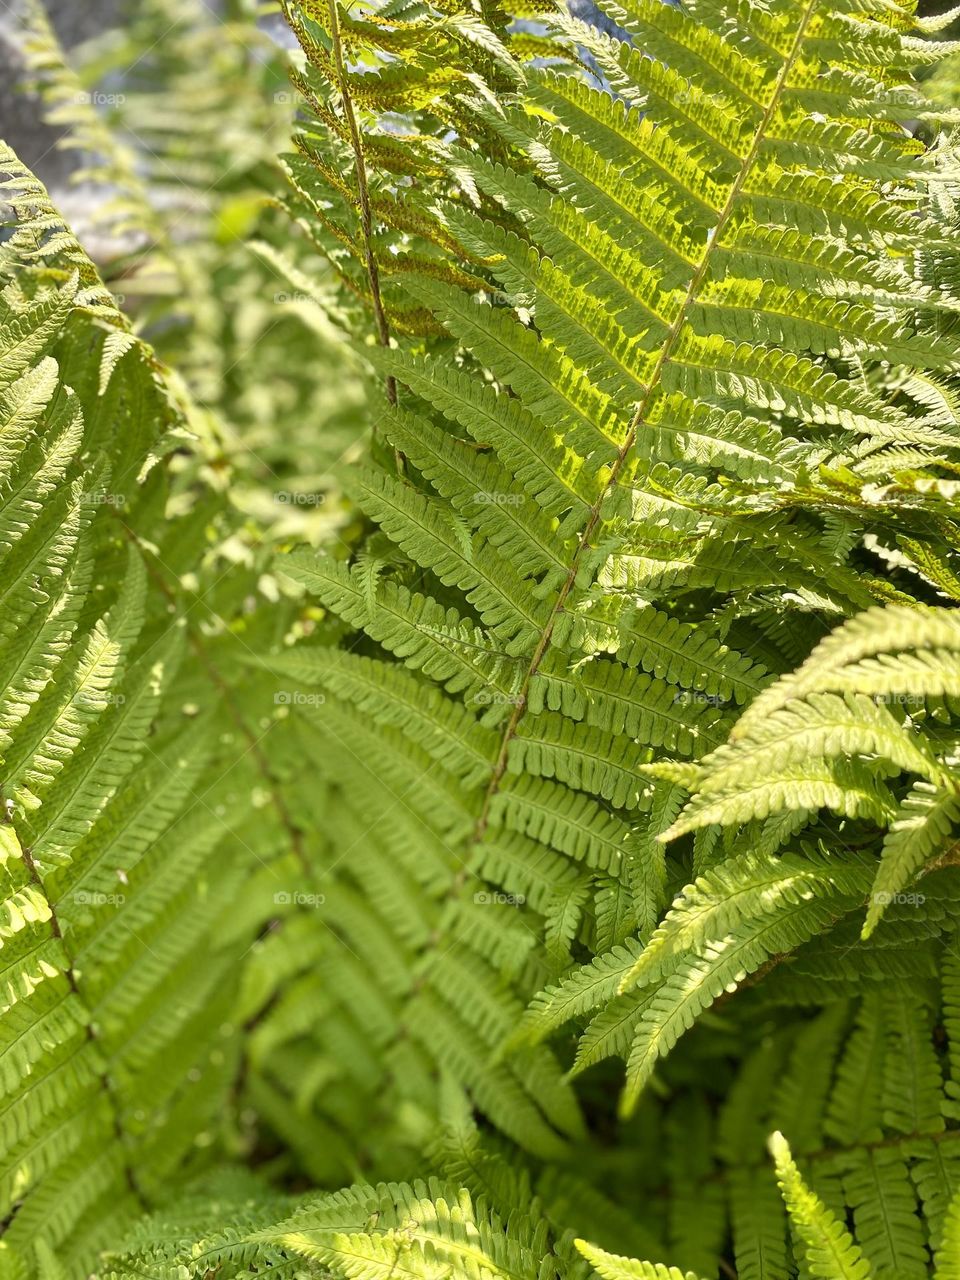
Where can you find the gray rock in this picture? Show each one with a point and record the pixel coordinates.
(21, 117)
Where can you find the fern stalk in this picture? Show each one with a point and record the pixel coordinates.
(593, 520)
(363, 191)
(93, 1038)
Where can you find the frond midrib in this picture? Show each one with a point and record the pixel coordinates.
(637, 422)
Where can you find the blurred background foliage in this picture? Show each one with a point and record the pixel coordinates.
(160, 135)
(159, 125)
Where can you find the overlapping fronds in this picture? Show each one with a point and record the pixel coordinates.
(619, 498)
(856, 1106)
(873, 701)
(128, 803)
(618, 731)
(381, 91)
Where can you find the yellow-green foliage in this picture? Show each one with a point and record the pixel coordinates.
(623, 709)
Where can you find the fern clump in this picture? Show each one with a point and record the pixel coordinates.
(552, 862)
(131, 766)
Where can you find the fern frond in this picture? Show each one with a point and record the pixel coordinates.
(830, 1252)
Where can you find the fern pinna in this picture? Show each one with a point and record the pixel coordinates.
(633, 483)
(855, 1101)
(137, 800)
(623, 707)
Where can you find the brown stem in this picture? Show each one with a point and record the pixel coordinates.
(666, 352)
(293, 832)
(594, 517)
(363, 192)
(92, 1034)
